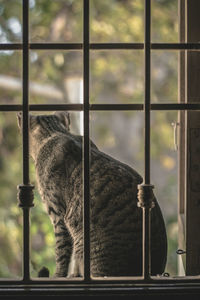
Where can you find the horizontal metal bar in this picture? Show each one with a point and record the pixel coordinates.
(175, 106)
(56, 107)
(42, 107)
(101, 281)
(10, 107)
(56, 46)
(140, 46)
(153, 106)
(116, 46)
(175, 46)
(110, 107)
(92, 46)
(9, 46)
(102, 46)
(101, 107)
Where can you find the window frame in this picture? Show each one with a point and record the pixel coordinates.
(188, 154)
(147, 286)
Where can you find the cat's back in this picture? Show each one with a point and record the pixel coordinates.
(113, 186)
(116, 220)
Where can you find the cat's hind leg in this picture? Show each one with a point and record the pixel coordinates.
(63, 249)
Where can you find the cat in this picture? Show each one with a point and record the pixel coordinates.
(115, 218)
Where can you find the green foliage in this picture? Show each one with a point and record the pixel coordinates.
(42, 239)
(117, 21)
(56, 21)
(11, 65)
(164, 21)
(10, 20)
(116, 77)
(10, 214)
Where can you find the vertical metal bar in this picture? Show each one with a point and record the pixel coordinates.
(147, 46)
(25, 126)
(26, 243)
(146, 208)
(25, 91)
(86, 213)
(146, 243)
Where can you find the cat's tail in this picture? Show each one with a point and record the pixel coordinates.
(44, 272)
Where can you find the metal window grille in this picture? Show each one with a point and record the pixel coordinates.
(26, 189)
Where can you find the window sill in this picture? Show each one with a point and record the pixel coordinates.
(80, 291)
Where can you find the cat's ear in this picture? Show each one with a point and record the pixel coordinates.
(19, 119)
(32, 119)
(64, 118)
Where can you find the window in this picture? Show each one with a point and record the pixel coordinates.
(89, 50)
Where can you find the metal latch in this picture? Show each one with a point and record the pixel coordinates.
(175, 127)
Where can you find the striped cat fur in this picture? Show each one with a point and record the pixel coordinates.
(116, 221)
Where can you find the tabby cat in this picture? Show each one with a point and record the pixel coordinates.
(116, 221)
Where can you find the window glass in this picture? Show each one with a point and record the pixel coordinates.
(164, 76)
(117, 77)
(56, 77)
(164, 21)
(56, 21)
(111, 131)
(10, 77)
(11, 221)
(117, 21)
(10, 21)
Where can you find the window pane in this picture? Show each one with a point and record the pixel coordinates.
(164, 72)
(110, 131)
(117, 21)
(165, 21)
(117, 77)
(10, 214)
(10, 77)
(11, 21)
(56, 21)
(56, 77)
(164, 176)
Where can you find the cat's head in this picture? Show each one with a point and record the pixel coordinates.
(42, 127)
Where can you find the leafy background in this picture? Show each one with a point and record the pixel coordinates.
(116, 76)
